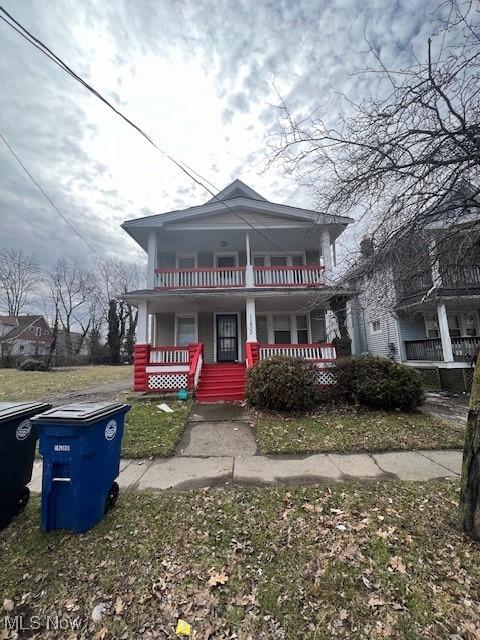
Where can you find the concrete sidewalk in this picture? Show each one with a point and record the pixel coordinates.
(195, 472)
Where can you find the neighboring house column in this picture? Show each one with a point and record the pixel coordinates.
(444, 332)
(327, 255)
(249, 279)
(251, 320)
(142, 349)
(152, 259)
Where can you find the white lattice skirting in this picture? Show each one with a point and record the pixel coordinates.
(325, 376)
(167, 381)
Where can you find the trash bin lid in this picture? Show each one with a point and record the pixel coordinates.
(9, 410)
(79, 412)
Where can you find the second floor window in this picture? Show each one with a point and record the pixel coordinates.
(431, 326)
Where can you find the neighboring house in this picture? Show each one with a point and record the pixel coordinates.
(422, 307)
(229, 284)
(24, 336)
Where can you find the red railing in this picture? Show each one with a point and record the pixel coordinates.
(196, 364)
(251, 354)
(200, 278)
(317, 352)
(301, 276)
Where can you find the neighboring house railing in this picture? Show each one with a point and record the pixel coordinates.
(415, 284)
(430, 349)
(200, 278)
(461, 276)
(304, 276)
(229, 277)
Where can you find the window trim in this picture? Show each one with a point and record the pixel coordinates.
(293, 324)
(224, 254)
(193, 315)
(375, 332)
(179, 256)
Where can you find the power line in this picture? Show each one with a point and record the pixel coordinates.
(36, 42)
(52, 204)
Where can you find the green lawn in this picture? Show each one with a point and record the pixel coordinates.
(352, 431)
(151, 432)
(30, 385)
(383, 561)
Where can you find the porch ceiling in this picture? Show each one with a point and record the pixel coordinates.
(265, 239)
(292, 301)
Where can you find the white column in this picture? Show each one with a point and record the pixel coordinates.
(249, 279)
(142, 323)
(327, 254)
(444, 332)
(152, 259)
(251, 320)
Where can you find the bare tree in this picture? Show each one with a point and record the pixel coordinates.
(74, 292)
(18, 278)
(407, 160)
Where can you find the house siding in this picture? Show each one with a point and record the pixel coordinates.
(317, 324)
(165, 329)
(205, 334)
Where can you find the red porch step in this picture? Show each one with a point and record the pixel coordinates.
(221, 383)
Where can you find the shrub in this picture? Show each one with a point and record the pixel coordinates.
(33, 365)
(282, 384)
(378, 382)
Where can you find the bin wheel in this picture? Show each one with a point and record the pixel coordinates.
(112, 496)
(23, 500)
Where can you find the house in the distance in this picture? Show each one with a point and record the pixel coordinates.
(24, 336)
(422, 306)
(231, 281)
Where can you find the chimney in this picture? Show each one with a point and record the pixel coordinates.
(366, 246)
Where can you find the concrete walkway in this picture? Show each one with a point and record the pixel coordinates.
(184, 472)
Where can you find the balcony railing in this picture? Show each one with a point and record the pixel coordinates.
(430, 349)
(461, 276)
(200, 278)
(307, 276)
(304, 276)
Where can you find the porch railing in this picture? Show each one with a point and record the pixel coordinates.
(169, 355)
(302, 276)
(200, 278)
(430, 349)
(196, 364)
(461, 276)
(316, 352)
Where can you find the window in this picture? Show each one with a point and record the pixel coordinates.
(186, 330)
(375, 326)
(431, 326)
(46, 332)
(469, 324)
(454, 325)
(278, 261)
(297, 261)
(38, 331)
(226, 261)
(262, 329)
(281, 330)
(302, 330)
(186, 261)
(259, 261)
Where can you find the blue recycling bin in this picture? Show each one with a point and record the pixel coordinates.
(18, 439)
(80, 444)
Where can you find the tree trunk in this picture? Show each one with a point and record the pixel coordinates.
(469, 516)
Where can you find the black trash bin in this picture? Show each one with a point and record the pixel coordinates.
(18, 437)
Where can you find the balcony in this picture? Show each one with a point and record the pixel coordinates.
(306, 276)
(430, 349)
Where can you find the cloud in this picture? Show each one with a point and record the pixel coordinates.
(198, 76)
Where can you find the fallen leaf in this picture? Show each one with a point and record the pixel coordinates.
(98, 611)
(376, 601)
(397, 564)
(183, 628)
(100, 635)
(8, 604)
(119, 606)
(217, 578)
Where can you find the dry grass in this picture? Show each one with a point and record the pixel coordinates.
(30, 385)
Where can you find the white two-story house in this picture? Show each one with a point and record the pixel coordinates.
(231, 281)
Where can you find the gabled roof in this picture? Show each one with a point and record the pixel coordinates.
(19, 324)
(237, 189)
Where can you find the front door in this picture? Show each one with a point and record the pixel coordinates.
(227, 337)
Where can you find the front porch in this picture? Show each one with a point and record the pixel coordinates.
(181, 345)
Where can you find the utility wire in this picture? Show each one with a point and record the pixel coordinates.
(52, 204)
(36, 42)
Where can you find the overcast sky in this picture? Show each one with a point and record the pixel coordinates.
(195, 75)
